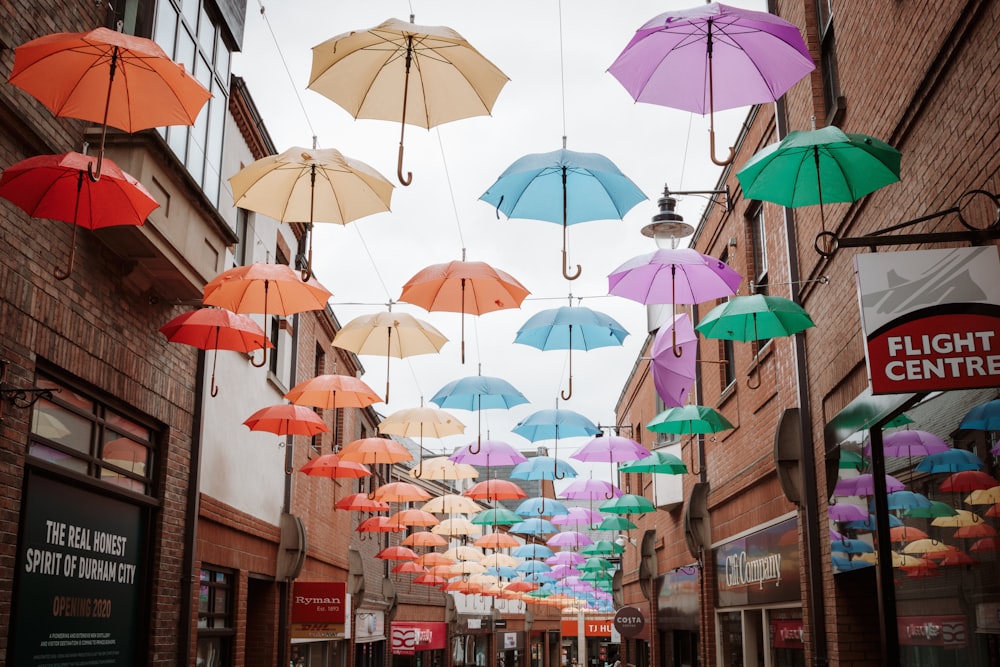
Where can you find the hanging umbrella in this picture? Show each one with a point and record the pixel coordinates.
(396, 553)
(570, 558)
(578, 516)
(413, 517)
(868, 524)
(850, 546)
(424, 538)
(331, 465)
(375, 451)
(333, 392)
(906, 534)
(532, 551)
(420, 422)
(907, 444)
(950, 461)
(534, 526)
(967, 481)
(817, 167)
(497, 541)
(711, 58)
(989, 496)
(958, 519)
(500, 560)
(56, 187)
(602, 548)
(659, 461)
(457, 527)
(430, 580)
(983, 417)
(495, 489)
(616, 523)
(311, 185)
(463, 287)
(975, 531)
(937, 509)
(673, 275)
(956, 557)
(540, 506)
(433, 558)
(850, 460)
(400, 492)
(555, 424)
(689, 419)
(905, 500)
(499, 516)
(554, 329)
(590, 489)
(287, 419)
(613, 449)
(213, 329)
(267, 289)
(542, 467)
(360, 502)
(369, 72)
(490, 453)
(926, 546)
(391, 334)
(477, 393)
(465, 553)
(442, 468)
(564, 186)
(674, 360)
(108, 77)
(408, 567)
(864, 485)
(569, 538)
(847, 512)
(378, 524)
(451, 503)
(628, 503)
(986, 544)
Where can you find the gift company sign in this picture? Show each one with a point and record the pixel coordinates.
(931, 318)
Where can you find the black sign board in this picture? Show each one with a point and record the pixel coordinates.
(629, 621)
(500, 624)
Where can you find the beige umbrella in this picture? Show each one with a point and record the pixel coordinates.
(311, 185)
(443, 468)
(456, 527)
(984, 496)
(400, 71)
(961, 518)
(926, 546)
(391, 334)
(468, 567)
(451, 503)
(500, 560)
(419, 423)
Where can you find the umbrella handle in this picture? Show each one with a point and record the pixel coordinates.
(750, 384)
(263, 361)
(402, 119)
(479, 446)
(399, 168)
(95, 174)
(59, 273)
(711, 144)
(215, 358)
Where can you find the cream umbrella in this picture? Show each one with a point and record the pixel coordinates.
(451, 503)
(442, 468)
(456, 528)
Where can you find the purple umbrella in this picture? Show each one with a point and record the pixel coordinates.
(566, 558)
(673, 275)
(712, 57)
(847, 512)
(491, 453)
(863, 485)
(909, 443)
(564, 571)
(612, 449)
(674, 360)
(578, 516)
(590, 489)
(570, 538)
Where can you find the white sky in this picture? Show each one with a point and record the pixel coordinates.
(366, 263)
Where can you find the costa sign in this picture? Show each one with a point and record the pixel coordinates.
(629, 621)
(930, 318)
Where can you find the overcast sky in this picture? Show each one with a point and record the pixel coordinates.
(366, 263)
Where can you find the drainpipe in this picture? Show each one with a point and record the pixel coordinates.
(810, 504)
(184, 638)
(284, 619)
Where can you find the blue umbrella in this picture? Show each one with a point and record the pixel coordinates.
(534, 526)
(951, 461)
(983, 417)
(555, 424)
(533, 567)
(541, 507)
(906, 500)
(554, 329)
(563, 186)
(505, 571)
(542, 467)
(477, 393)
(848, 546)
(532, 551)
(869, 523)
(538, 577)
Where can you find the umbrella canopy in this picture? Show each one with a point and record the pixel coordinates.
(534, 526)
(659, 461)
(617, 523)
(628, 504)
(674, 360)
(673, 275)
(390, 334)
(983, 417)
(287, 419)
(849, 546)
(378, 524)
(333, 391)
(489, 453)
(989, 496)
(396, 553)
(564, 186)
(554, 424)
(864, 485)
(108, 77)
(456, 527)
(689, 419)
(754, 317)
(465, 553)
(463, 287)
(602, 548)
(413, 517)
(57, 187)
(495, 489)
(400, 492)
(215, 329)
(360, 502)
(590, 489)
(408, 567)
(578, 516)
(950, 461)
(937, 509)
(377, 451)
(905, 500)
(499, 516)
(906, 534)
(311, 185)
(568, 558)
(331, 465)
(570, 328)
(819, 166)
(532, 551)
(542, 467)
(443, 468)
(569, 538)
(712, 57)
(841, 511)
(968, 481)
(910, 443)
(541, 506)
(424, 538)
(433, 558)
(612, 449)
(498, 541)
(421, 422)
(451, 503)
(478, 392)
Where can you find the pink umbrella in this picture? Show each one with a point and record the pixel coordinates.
(570, 538)
(566, 558)
(491, 453)
(578, 516)
(674, 360)
(612, 449)
(674, 275)
(910, 443)
(863, 485)
(847, 512)
(590, 489)
(565, 571)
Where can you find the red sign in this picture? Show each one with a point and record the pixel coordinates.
(319, 602)
(931, 318)
(787, 634)
(946, 631)
(591, 627)
(407, 638)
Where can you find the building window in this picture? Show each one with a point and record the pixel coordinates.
(215, 617)
(244, 233)
(727, 350)
(83, 434)
(190, 36)
(828, 60)
(758, 242)
(319, 368)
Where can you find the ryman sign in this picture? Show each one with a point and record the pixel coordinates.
(931, 318)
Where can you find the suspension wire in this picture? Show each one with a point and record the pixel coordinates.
(451, 191)
(562, 74)
(284, 63)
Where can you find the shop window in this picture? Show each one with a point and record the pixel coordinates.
(216, 629)
(188, 33)
(319, 368)
(78, 432)
(832, 99)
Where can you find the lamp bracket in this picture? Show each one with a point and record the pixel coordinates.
(725, 191)
(20, 397)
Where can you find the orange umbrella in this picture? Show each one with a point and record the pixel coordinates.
(376, 451)
(396, 553)
(409, 567)
(495, 489)
(333, 391)
(400, 492)
(377, 524)
(520, 587)
(414, 518)
(331, 465)
(268, 289)
(108, 77)
(463, 287)
(975, 530)
(360, 502)
(215, 329)
(906, 534)
(497, 541)
(434, 558)
(424, 538)
(430, 580)
(286, 419)
(439, 570)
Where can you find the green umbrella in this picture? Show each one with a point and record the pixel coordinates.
(628, 503)
(497, 517)
(754, 317)
(819, 166)
(616, 523)
(689, 419)
(850, 460)
(937, 509)
(595, 565)
(602, 548)
(660, 462)
(596, 576)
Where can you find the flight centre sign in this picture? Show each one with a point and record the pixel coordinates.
(931, 318)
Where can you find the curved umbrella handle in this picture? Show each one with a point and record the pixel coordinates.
(399, 168)
(215, 358)
(555, 471)
(95, 174)
(711, 144)
(750, 384)
(264, 358)
(59, 273)
(479, 446)
(610, 494)
(418, 473)
(565, 269)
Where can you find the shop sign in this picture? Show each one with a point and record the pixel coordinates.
(79, 564)
(787, 634)
(319, 610)
(406, 638)
(369, 625)
(945, 631)
(509, 641)
(591, 627)
(761, 568)
(930, 318)
(629, 621)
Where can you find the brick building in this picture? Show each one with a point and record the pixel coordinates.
(766, 489)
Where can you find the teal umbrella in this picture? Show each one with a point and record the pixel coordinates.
(819, 166)
(660, 462)
(936, 509)
(628, 503)
(496, 517)
(689, 419)
(602, 548)
(616, 523)
(595, 565)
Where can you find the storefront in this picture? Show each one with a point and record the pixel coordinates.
(418, 644)
(471, 643)
(319, 626)
(677, 617)
(598, 634)
(369, 638)
(510, 649)
(759, 610)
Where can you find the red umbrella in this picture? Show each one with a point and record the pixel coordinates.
(215, 329)
(968, 481)
(430, 580)
(360, 502)
(495, 489)
(331, 465)
(981, 529)
(986, 544)
(286, 419)
(396, 553)
(56, 187)
(409, 567)
(333, 391)
(377, 524)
